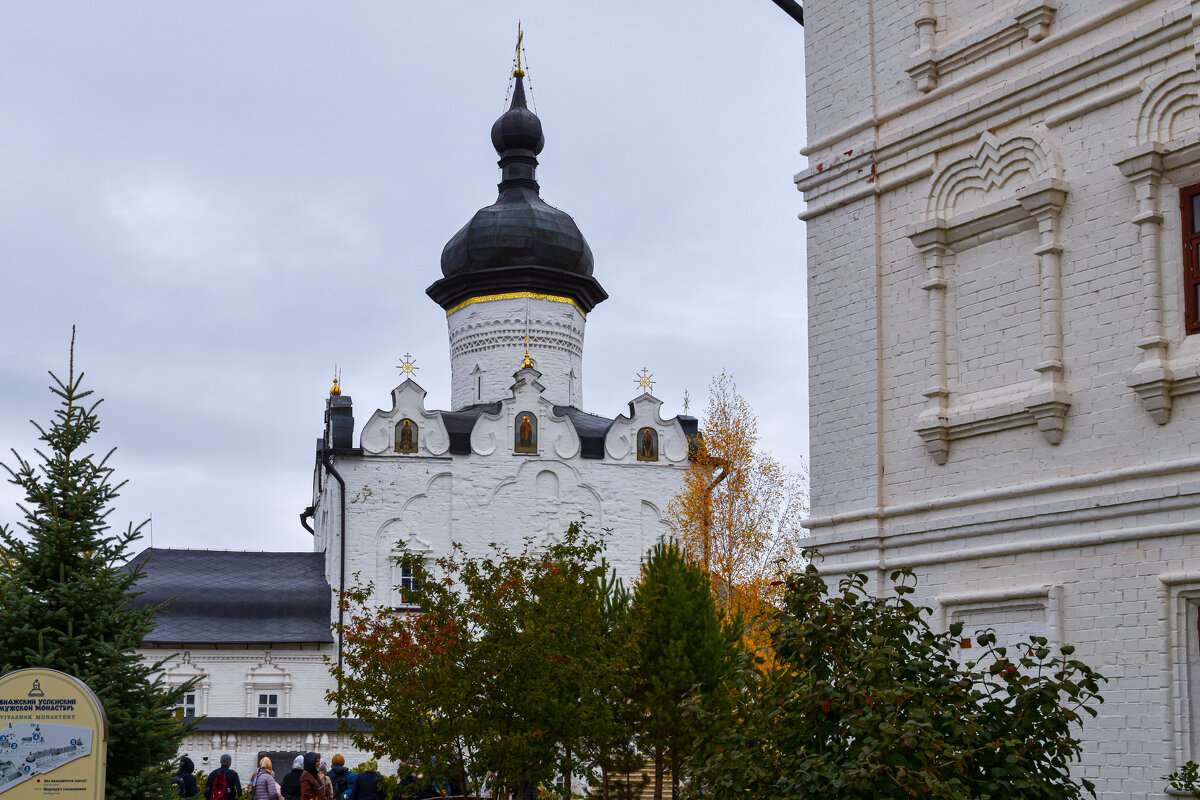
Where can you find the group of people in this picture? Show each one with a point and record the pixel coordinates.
(309, 779)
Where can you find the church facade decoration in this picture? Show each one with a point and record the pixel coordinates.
(525, 434)
(406, 436)
(647, 447)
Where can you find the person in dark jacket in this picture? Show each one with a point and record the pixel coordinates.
(233, 785)
(290, 785)
(183, 779)
(338, 774)
(369, 784)
(310, 780)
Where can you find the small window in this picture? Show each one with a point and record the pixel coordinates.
(268, 705)
(406, 585)
(186, 707)
(1189, 207)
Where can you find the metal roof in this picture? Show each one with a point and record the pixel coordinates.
(591, 428)
(278, 724)
(224, 596)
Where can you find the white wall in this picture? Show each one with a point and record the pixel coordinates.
(1003, 396)
(487, 343)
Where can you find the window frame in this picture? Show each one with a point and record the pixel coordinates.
(267, 702)
(1189, 204)
(187, 704)
(405, 581)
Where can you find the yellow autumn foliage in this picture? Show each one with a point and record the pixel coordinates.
(739, 513)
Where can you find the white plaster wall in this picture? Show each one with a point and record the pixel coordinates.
(206, 749)
(866, 275)
(1102, 527)
(433, 498)
(487, 341)
(230, 678)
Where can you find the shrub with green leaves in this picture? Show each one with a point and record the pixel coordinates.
(867, 701)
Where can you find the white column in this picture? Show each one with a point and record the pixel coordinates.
(934, 428)
(1151, 378)
(1049, 401)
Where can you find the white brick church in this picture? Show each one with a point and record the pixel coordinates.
(516, 457)
(1003, 206)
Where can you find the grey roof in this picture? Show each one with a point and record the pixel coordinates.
(459, 425)
(591, 428)
(223, 596)
(278, 724)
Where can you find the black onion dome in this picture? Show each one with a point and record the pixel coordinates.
(518, 128)
(519, 243)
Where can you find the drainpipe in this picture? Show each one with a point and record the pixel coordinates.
(306, 515)
(792, 9)
(327, 461)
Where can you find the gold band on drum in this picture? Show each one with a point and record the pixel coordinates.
(553, 298)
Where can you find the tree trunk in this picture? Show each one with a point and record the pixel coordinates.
(658, 773)
(567, 774)
(603, 781)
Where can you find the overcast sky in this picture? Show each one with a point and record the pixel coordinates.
(228, 198)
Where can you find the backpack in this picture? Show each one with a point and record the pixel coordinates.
(339, 783)
(219, 790)
(177, 784)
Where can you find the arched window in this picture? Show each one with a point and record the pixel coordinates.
(525, 433)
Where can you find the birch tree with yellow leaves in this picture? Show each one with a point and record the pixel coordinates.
(739, 513)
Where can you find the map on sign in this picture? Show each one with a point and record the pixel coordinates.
(28, 749)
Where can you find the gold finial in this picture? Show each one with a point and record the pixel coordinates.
(528, 362)
(407, 366)
(518, 72)
(337, 377)
(644, 382)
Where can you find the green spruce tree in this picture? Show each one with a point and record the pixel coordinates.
(683, 645)
(66, 596)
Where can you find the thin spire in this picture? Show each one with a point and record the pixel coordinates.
(518, 72)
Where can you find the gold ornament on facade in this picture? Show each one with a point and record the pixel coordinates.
(517, 296)
(408, 365)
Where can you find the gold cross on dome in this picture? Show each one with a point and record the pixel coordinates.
(644, 382)
(518, 72)
(407, 366)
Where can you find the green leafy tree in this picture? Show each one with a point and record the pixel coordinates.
(865, 700)
(682, 644)
(66, 598)
(508, 668)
